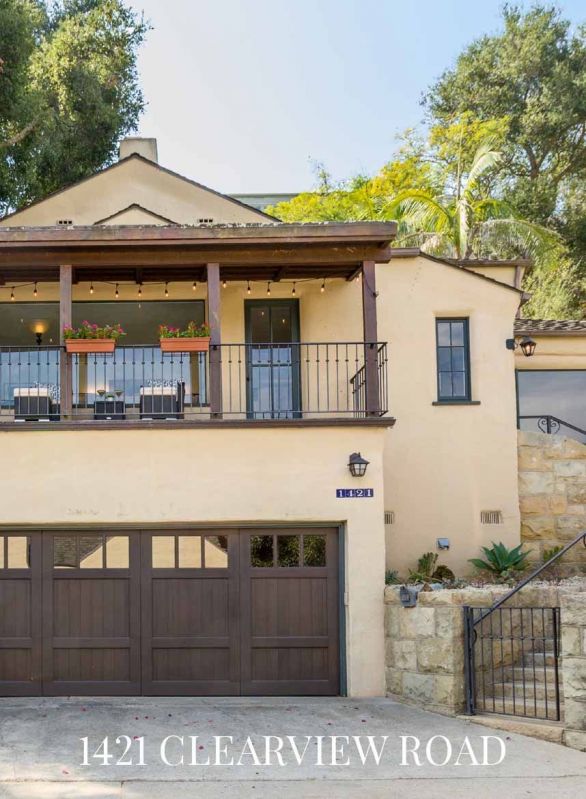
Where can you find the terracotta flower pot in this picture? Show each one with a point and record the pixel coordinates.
(90, 344)
(195, 344)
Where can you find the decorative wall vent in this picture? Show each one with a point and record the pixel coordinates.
(205, 220)
(65, 222)
(389, 517)
(491, 517)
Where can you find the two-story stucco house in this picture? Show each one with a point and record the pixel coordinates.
(194, 522)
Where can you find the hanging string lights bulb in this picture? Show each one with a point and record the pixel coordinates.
(293, 292)
(166, 289)
(323, 286)
(140, 290)
(269, 288)
(248, 290)
(194, 287)
(35, 291)
(91, 288)
(224, 284)
(117, 293)
(12, 293)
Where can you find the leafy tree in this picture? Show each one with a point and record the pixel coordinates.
(461, 221)
(532, 76)
(68, 91)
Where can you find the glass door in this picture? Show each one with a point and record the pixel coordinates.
(272, 359)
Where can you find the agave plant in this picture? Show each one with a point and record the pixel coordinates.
(502, 561)
(465, 223)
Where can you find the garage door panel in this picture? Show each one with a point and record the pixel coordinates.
(289, 633)
(190, 605)
(287, 606)
(20, 622)
(89, 607)
(15, 608)
(87, 665)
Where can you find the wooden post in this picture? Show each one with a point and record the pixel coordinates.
(370, 333)
(214, 320)
(65, 318)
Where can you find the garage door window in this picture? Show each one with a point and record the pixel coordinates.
(90, 552)
(14, 552)
(291, 551)
(190, 552)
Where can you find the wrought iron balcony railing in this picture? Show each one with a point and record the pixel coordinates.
(233, 381)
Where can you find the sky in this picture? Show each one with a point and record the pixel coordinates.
(248, 95)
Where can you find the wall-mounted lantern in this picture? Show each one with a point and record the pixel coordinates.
(357, 465)
(527, 345)
(408, 596)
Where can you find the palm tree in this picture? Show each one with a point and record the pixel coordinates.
(466, 223)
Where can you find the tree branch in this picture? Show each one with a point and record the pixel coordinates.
(18, 137)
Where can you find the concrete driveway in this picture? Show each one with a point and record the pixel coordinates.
(42, 754)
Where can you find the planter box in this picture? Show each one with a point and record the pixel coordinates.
(196, 344)
(90, 344)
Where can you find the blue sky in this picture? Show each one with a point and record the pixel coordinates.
(244, 94)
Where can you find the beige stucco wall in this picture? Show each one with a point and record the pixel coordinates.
(444, 465)
(555, 352)
(134, 181)
(233, 476)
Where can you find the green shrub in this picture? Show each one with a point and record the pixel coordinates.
(428, 571)
(502, 561)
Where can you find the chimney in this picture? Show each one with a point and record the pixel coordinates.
(145, 147)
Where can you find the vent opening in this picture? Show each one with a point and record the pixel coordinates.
(491, 517)
(205, 220)
(65, 222)
(389, 517)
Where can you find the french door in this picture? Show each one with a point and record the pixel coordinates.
(272, 359)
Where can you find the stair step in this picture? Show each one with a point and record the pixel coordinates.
(527, 692)
(540, 674)
(539, 659)
(535, 708)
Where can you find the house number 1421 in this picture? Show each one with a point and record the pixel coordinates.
(354, 493)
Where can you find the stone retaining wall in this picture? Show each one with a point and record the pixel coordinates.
(552, 495)
(574, 669)
(424, 647)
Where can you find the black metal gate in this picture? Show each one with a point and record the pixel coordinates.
(512, 660)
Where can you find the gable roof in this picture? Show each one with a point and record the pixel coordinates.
(416, 252)
(136, 207)
(550, 327)
(148, 162)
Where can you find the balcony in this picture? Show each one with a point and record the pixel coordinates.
(250, 383)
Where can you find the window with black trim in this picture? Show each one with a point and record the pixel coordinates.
(453, 360)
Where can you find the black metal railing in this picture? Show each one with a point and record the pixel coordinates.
(135, 382)
(512, 655)
(546, 423)
(29, 383)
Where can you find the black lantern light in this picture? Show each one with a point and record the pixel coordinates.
(528, 346)
(357, 465)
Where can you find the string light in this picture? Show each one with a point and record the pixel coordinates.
(91, 288)
(269, 288)
(323, 286)
(166, 289)
(357, 278)
(35, 292)
(116, 293)
(12, 294)
(224, 284)
(293, 292)
(194, 287)
(248, 286)
(140, 289)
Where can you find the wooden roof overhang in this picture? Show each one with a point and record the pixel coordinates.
(171, 253)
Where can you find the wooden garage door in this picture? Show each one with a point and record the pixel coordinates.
(217, 612)
(289, 612)
(91, 614)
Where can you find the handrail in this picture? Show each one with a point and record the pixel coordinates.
(549, 418)
(532, 576)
